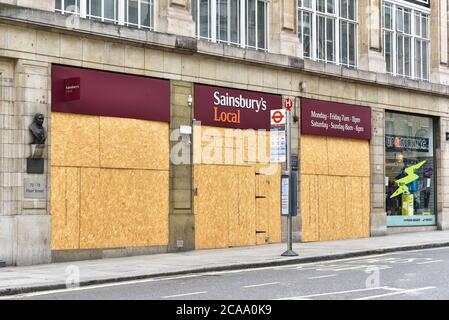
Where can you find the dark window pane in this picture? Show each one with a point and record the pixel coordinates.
(146, 14)
(251, 17)
(261, 24)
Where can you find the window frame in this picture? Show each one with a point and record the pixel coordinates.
(424, 13)
(338, 19)
(243, 28)
(121, 14)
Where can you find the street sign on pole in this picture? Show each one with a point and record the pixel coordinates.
(288, 104)
(289, 252)
(278, 140)
(285, 192)
(278, 117)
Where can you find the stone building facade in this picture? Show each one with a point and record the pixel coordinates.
(398, 70)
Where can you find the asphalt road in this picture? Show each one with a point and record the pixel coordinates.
(422, 274)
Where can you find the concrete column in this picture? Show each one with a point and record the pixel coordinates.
(439, 72)
(378, 221)
(182, 220)
(25, 222)
(442, 174)
(175, 17)
(283, 37)
(370, 37)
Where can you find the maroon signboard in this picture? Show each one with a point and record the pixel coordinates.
(232, 108)
(92, 92)
(335, 119)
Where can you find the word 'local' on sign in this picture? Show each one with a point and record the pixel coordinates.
(234, 108)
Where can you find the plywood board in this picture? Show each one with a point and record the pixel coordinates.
(348, 157)
(274, 205)
(231, 198)
(309, 208)
(314, 155)
(325, 222)
(123, 208)
(65, 208)
(134, 144)
(211, 218)
(75, 140)
(246, 206)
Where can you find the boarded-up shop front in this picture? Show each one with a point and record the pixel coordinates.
(335, 171)
(109, 160)
(236, 188)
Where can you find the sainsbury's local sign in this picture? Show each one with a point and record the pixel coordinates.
(232, 108)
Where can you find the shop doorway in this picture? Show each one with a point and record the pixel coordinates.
(235, 206)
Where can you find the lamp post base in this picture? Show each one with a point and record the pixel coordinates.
(289, 253)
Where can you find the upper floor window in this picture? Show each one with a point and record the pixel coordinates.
(328, 30)
(137, 13)
(406, 40)
(234, 22)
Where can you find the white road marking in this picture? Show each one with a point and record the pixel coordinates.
(261, 285)
(98, 286)
(334, 293)
(427, 262)
(184, 294)
(322, 277)
(395, 293)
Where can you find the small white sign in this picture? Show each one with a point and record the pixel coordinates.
(278, 117)
(285, 187)
(278, 145)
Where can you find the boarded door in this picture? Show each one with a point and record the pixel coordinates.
(335, 188)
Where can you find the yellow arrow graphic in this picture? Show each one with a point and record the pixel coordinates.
(411, 176)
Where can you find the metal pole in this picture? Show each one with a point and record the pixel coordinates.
(289, 252)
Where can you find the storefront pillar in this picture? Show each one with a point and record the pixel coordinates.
(442, 154)
(378, 219)
(182, 220)
(24, 207)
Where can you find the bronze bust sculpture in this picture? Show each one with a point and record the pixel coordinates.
(38, 131)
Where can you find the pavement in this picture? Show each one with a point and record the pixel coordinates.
(19, 280)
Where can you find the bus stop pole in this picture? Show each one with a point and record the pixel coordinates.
(289, 252)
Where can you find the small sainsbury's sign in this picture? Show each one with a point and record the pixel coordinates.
(231, 108)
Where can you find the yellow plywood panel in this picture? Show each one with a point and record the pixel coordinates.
(65, 208)
(261, 238)
(340, 201)
(231, 198)
(314, 156)
(274, 205)
(221, 146)
(134, 144)
(348, 157)
(309, 208)
(246, 206)
(211, 218)
(357, 208)
(123, 208)
(366, 213)
(74, 140)
(325, 223)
